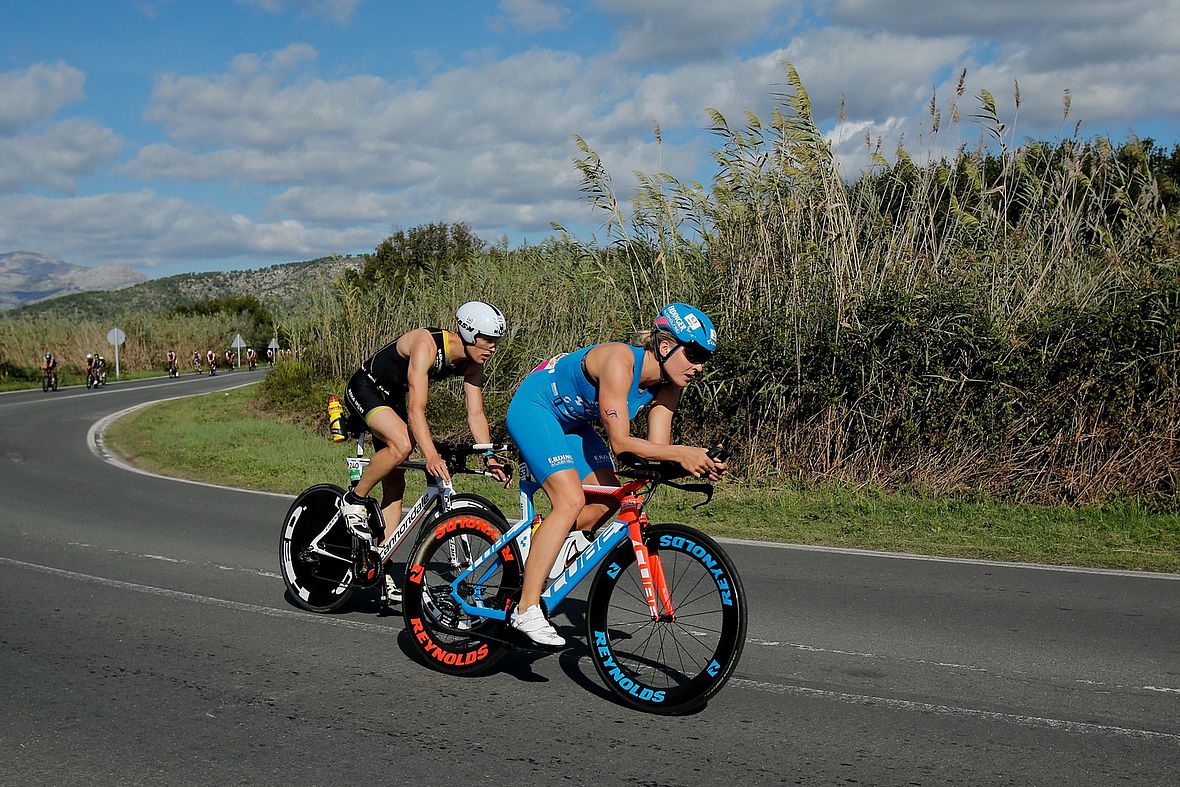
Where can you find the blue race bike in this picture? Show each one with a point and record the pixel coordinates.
(666, 612)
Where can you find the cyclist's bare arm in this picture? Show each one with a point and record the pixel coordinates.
(659, 415)
(419, 347)
(614, 381)
(477, 419)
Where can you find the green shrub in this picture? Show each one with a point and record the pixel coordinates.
(294, 389)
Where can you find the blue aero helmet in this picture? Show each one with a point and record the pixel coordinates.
(691, 328)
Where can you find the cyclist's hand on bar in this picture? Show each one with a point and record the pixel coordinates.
(499, 472)
(698, 462)
(437, 467)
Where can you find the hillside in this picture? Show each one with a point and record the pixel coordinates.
(27, 277)
(285, 289)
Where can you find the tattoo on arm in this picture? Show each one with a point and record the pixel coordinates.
(612, 413)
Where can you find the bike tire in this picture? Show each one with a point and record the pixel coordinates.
(317, 582)
(667, 667)
(470, 500)
(466, 501)
(441, 634)
(45, 385)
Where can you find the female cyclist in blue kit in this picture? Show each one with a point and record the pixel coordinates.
(551, 419)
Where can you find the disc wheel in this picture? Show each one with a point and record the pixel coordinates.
(674, 664)
(315, 550)
(445, 636)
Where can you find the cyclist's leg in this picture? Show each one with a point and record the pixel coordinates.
(564, 489)
(549, 454)
(393, 489)
(392, 444)
(594, 464)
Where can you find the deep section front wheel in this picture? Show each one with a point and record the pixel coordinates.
(675, 662)
(315, 550)
(447, 637)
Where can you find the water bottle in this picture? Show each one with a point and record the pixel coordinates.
(574, 545)
(336, 419)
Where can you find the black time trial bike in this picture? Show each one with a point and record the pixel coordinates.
(323, 563)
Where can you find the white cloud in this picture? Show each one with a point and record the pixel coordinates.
(1106, 97)
(673, 31)
(261, 101)
(997, 20)
(144, 229)
(494, 136)
(339, 11)
(36, 93)
(533, 16)
(57, 156)
(343, 156)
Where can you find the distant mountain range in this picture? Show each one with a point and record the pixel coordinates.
(284, 288)
(27, 277)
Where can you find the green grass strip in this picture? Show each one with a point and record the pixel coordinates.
(223, 438)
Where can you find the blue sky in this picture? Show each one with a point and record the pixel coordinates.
(184, 135)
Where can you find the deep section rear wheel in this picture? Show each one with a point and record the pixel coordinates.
(445, 636)
(315, 550)
(676, 663)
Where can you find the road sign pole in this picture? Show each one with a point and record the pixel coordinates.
(238, 344)
(115, 336)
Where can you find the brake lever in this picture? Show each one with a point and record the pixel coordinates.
(700, 489)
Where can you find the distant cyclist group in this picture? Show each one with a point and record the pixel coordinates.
(551, 419)
(96, 365)
(96, 371)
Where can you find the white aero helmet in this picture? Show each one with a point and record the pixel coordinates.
(476, 318)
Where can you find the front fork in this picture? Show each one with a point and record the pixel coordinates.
(651, 575)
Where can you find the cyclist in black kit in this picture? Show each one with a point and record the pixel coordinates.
(389, 392)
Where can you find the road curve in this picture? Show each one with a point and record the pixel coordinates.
(145, 639)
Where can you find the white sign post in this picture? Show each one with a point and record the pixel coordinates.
(238, 344)
(274, 349)
(116, 337)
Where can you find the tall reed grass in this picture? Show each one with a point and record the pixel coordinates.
(1001, 321)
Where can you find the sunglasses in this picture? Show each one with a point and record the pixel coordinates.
(696, 354)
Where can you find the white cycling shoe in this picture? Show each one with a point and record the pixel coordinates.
(356, 519)
(393, 594)
(532, 624)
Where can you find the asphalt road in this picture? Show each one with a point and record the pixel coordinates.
(145, 639)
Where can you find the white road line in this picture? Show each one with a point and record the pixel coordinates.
(118, 386)
(122, 552)
(96, 434)
(1061, 725)
(272, 612)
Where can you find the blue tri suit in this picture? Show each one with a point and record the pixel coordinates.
(552, 415)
